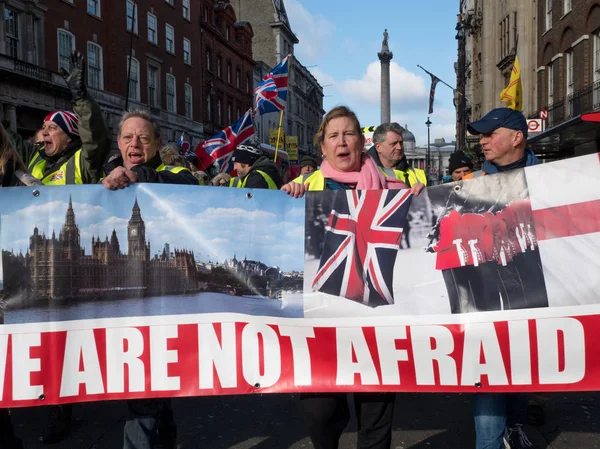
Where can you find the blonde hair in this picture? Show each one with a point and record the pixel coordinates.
(170, 155)
(337, 112)
(8, 155)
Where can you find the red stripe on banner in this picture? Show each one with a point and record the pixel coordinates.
(201, 359)
(567, 221)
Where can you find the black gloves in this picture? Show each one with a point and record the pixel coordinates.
(76, 79)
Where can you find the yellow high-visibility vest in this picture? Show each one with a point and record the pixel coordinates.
(67, 173)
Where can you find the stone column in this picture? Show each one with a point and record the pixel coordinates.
(385, 56)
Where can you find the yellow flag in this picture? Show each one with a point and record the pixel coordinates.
(513, 94)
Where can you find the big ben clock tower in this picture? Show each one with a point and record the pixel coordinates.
(136, 234)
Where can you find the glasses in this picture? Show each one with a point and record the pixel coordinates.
(145, 140)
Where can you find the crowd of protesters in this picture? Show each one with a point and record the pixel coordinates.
(74, 147)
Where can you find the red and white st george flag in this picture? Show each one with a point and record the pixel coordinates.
(566, 216)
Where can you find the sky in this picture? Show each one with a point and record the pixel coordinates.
(213, 222)
(341, 38)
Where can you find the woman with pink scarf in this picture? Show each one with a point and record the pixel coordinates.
(344, 167)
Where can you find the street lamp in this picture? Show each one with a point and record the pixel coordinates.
(427, 157)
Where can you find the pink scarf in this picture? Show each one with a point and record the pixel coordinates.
(369, 176)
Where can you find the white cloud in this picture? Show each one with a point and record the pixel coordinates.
(405, 86)
(312, 31)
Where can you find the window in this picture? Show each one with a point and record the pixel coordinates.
(219, 66)
(170, 38)
(152, 29)
(229, 72)
(185, 5)
(567, 6)
(550, 84)
(229, 113)
(247, 83)
(93, 7)
(94, 63)
(596, 55)
(548, 14)
(134, 78)
(205, 14)
(66, 45)
(219, 117)
(207, 61)
(170, 2)
(132, 17)
(238, 80)
(237, 113)
(596, 69)
(187, 98)
(186, 51)
(504, 32)
(227, 32)
(208, 107)
(153, 94)
(570, 80)
(11, 23)
(171, 94)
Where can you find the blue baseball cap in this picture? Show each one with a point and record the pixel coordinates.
(499, 118)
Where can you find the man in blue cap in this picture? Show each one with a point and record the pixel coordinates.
(503, 139)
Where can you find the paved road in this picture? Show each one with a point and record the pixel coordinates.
(422, 421)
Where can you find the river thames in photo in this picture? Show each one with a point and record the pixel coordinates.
(291, 306)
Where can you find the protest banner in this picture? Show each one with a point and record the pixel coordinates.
(291, 146)
(273, 138)
(485, 285)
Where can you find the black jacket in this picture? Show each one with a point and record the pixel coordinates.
(147, 172)
(255, 180)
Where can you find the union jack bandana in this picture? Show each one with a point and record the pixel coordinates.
(67, 121)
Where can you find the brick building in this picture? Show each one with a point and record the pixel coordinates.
(490, 34)
(175, 46)
(568, 76)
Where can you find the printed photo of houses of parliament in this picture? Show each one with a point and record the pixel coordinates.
(56, 269)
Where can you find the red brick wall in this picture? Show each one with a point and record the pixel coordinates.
(583, 19)
(113, 37)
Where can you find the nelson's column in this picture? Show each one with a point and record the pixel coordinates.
(385, 56)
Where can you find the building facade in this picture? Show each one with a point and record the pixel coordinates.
(168, 48)
(58, 267)
(273, 41)
(490, 33)
(568, 74)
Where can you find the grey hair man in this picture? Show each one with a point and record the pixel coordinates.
(139, 160)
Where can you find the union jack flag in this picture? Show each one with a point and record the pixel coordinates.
(183, 144)
(362, 240)
(220, 147)
(271, 93)
(57, 176)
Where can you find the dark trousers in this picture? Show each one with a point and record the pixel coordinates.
(327, 414)
(7, 434)
(150, 425)
(490, 286)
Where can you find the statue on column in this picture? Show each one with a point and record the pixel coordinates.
(385, 38)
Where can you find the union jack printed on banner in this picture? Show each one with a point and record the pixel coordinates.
(362, 240)
(271, 93)
(220, 147)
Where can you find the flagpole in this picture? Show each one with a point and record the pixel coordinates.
(444, 82)
(278, 135)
